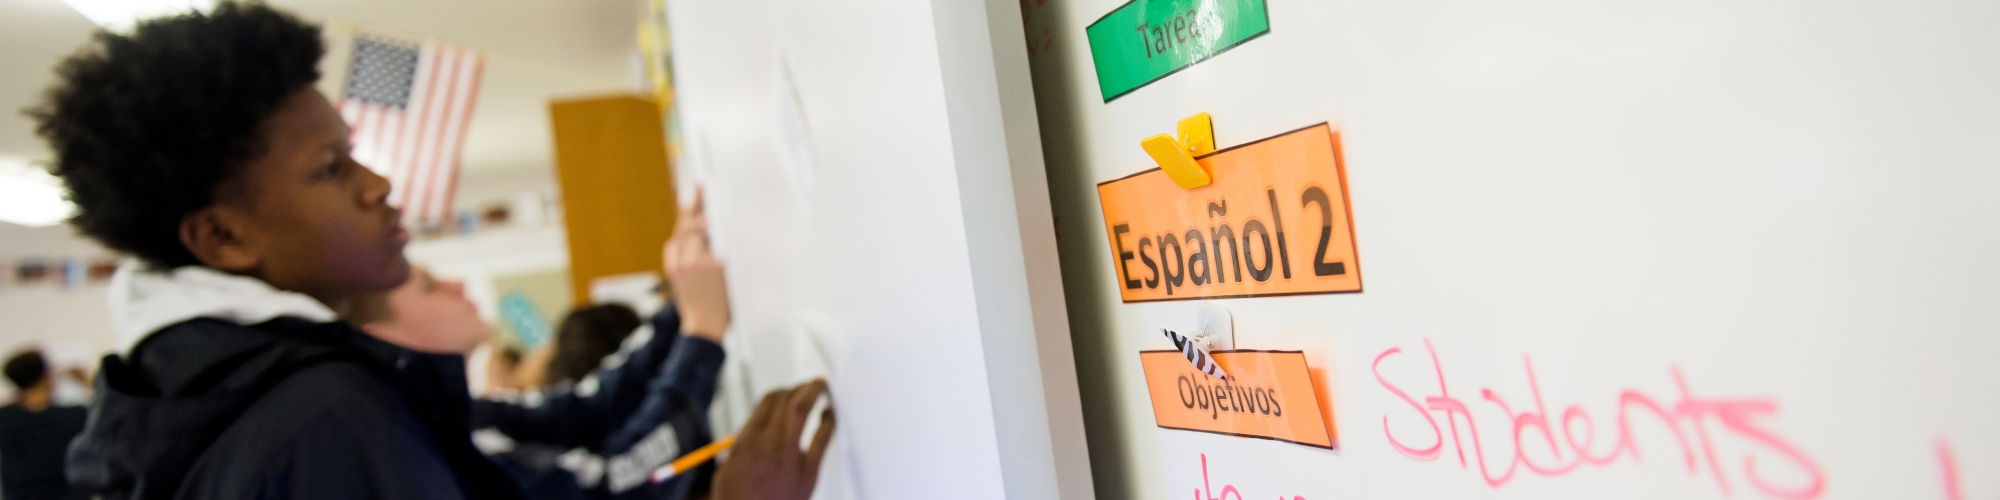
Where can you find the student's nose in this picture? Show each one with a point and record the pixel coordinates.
(374, 187)
(454, 287)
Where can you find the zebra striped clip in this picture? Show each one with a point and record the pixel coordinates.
(1196, 354)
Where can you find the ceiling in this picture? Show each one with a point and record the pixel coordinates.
(536, 50)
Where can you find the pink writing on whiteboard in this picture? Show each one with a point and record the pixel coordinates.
(1228, 491)
(1687, 418)
(1952, 489)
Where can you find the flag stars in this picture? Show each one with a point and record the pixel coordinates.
(383, 73)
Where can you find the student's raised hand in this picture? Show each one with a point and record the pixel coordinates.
(766, 463)
(701, 292)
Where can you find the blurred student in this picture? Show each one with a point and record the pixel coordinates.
(620, 413)
(502, 368)
(34, 432)
(765, 464)
(424, 314)
(586, 339)
(199, 145)
(553, 439)
(586, 336)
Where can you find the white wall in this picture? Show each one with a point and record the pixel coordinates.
(917, 249)
(71, 325)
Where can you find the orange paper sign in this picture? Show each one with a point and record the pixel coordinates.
(1270, 396)
(1274, 222)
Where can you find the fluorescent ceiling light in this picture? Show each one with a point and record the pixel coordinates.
(120, 15)
(30, 196)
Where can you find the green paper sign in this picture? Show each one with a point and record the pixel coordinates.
(1146, 40)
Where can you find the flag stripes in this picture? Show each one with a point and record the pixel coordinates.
(408, 105)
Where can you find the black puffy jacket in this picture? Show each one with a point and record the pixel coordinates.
(287, 408)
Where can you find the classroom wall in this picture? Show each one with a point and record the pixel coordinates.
(71, 324)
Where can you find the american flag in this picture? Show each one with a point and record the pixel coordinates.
(409, 104)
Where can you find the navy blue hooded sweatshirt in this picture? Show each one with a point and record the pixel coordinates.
(642, 409)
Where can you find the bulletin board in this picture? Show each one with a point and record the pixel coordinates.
(1633, 250)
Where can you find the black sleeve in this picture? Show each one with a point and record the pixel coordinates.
(686, 385)
(580, 415)
(564, 418)
(672, 421)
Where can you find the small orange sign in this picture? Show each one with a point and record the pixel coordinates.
(1274, 221)
(1270, 396)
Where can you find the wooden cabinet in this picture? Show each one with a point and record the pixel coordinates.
(617, 186)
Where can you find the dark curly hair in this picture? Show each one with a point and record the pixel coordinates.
(27, 368)
(586, 336)
(145, 127)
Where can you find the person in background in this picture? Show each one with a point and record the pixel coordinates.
(552, 440)
(617, 414)
(760, 467)
(586, 336)
(199, 145)
(432, 315)
(586, 339)
(501, 369)
(35, 432)
(424, 314)
(630, 412)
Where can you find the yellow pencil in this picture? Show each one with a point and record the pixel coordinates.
(693, 459)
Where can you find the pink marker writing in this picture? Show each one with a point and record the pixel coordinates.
(1228, 491)
(1689, 419)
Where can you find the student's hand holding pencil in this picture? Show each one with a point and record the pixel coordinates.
(766, 463)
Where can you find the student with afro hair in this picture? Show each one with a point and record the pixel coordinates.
(198, 145)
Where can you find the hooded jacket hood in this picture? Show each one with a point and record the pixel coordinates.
(193, 361)
(145, 300)
(233, 389)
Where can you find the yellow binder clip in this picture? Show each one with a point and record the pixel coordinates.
(1198, 134)
(1176, 157)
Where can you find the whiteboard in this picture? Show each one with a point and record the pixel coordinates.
(876, 194)
(1787, 208)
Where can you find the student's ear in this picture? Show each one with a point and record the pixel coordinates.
(215, 236)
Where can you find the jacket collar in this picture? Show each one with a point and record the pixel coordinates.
(145, 299)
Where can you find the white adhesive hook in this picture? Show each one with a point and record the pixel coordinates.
(1215, 327)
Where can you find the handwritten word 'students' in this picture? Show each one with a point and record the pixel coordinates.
(1688, 417)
